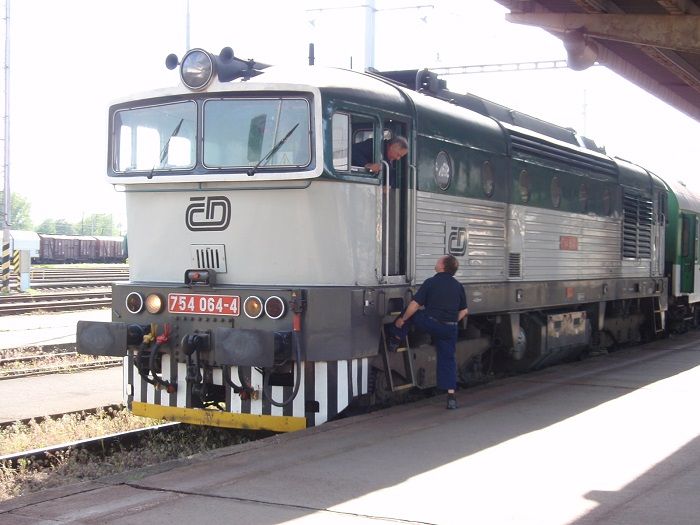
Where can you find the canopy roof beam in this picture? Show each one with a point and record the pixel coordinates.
(680, 33)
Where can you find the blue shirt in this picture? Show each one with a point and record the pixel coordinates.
(363, 154)
(442, 296)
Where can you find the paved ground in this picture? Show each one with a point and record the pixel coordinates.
(612, 440)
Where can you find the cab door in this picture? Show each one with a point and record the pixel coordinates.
(689, 251)
(396, 201)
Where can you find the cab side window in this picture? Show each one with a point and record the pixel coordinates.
(353, 142)
(363, 148)
(341, 141)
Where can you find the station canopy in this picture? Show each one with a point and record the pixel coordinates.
(652, 43)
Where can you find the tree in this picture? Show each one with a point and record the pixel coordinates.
(97, 224)
(20, 211)
(63, 227)
(48, 226)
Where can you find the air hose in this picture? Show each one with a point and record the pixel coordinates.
(141, 358)
(159, 382)
(156, 381)
(298, 304)
(297, 379)
(236, 388)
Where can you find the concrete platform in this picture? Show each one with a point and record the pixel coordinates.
(612, 440)
(18, 331)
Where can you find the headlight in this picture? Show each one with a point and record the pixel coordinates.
(253, 307)
(197, 69)
(154, 304)
(274, 307)
(134, 302)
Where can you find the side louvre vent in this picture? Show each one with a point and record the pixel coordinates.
(514, 265)
(208, 257)
(636, 228)
(535, 146)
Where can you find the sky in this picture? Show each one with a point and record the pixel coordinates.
(71, 58)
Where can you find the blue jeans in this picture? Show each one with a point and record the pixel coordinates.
(445, 339)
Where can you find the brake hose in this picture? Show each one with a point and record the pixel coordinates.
(139, 359)
(297, 380)
(227, 378)
(157, 380)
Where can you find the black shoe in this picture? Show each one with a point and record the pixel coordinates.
(393, 343)
(451, 402)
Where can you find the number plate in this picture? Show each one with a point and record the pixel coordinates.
(184, 303)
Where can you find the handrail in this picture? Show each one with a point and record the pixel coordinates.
(413, 224)
(387, 209)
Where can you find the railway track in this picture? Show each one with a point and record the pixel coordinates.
(41, 363)
(65, 288)
(41, 419)
(76, 277)
(100, 446)
(55, 302)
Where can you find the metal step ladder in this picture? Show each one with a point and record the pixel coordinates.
(407, 372)
(658, 316)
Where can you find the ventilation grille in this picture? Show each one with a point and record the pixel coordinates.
(541, 148)
(636, 228)
(514, 265)
(208, 257)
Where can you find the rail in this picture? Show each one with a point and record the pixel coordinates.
(80, 288)
(41, 419)
(38, 363)
(97, 445)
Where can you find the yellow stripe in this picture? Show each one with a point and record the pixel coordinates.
(216, 418)
(5, 281)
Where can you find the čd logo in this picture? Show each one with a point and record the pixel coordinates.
(457, 241)
(208, 213)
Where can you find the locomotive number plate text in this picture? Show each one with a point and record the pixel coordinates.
(183, 303)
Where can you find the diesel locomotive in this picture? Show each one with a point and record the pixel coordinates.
(264, 266)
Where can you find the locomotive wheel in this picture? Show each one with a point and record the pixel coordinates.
(380, 390)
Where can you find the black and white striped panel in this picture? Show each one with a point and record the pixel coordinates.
(145, 392)
(128, 370)
(262, 405)
(328, 386)
(334, 384)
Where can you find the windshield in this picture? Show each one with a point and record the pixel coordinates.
(245, 133)
(155, 138)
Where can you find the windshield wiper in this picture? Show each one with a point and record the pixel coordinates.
(274, 149)
(164, 151)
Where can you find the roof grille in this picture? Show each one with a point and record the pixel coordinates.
(542, 148)
(209, 257)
